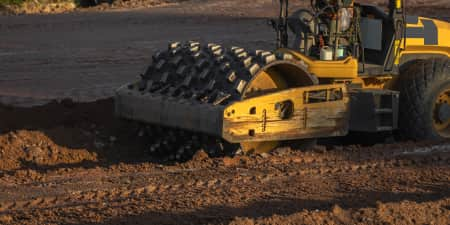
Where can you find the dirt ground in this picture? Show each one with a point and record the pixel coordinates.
(64, 159)
(68, 163)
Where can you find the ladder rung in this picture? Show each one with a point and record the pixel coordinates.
(383, 110)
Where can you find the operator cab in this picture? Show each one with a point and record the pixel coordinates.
(337, 29)
(377, 31)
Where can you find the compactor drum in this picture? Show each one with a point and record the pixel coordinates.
(350, 67)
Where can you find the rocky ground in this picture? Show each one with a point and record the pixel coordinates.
(64, 159)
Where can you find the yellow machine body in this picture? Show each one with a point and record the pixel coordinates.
(289, 114)
(326, 118)
(426, 36)
(281, 98)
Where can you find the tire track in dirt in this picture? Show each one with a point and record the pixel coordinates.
(251, 177)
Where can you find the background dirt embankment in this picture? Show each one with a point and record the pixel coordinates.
(62, 6)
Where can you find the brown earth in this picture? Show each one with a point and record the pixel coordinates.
(82, 167)
(72, 163)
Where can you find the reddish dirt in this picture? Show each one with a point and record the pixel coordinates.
(83, 167)
(73, 163)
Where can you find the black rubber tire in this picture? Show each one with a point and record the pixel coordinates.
(205, 72)
(419, 83)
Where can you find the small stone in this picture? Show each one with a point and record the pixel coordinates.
(12, 136)
(354, 167)
(127, 181)
(99, 145)
(34, 152)
(112, 139)
(229, 162)
(337, 210)
(141, 133)
(200, 156)
(320, 148)
(6, 219)
(149, 189)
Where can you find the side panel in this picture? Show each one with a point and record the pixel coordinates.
(345, 69)
(298, 113)
(374, 110)
(425, 36)
(422, 31)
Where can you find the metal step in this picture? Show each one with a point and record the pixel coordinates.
(373, 110)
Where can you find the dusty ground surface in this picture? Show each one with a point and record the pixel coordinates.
(72, 163)
(81, 167)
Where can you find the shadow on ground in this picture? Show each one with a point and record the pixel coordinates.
(285, 207)
(80, 135)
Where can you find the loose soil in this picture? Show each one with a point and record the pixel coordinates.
(83, 167)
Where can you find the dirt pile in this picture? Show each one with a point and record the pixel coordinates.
(34, 149)
(62, 6)
(63, 134)
(37, 6)
(404, 212)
